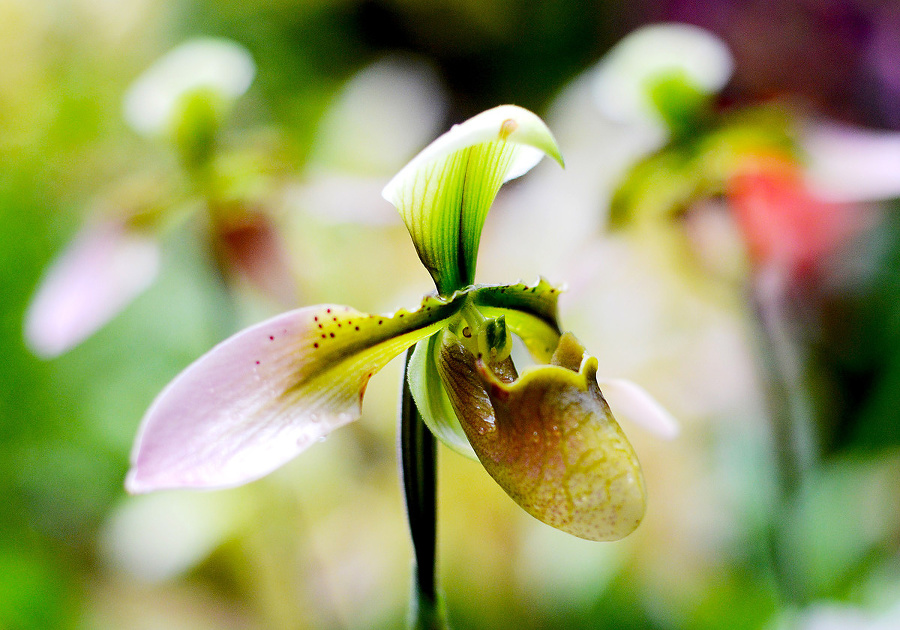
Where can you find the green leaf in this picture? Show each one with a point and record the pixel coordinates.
(445, 192)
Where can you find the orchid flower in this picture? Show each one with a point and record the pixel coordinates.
(116, 255)
(781, 219)
(547, 435)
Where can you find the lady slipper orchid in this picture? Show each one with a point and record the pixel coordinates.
(116, 255)
(546, 436)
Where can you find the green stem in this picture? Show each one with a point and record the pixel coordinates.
(792, 418)
(418, 469)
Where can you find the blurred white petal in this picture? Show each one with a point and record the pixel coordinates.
(852, 164)
(104, 268)
(630, 401)
(652, 52)
(339, 197)
(157, 537)
(384, 114)
(842, 616)
(217, 64)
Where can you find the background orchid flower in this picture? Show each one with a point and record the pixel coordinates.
(220, 69)
(751, 161)
(183, 97)
(776, 203)
(548, 437)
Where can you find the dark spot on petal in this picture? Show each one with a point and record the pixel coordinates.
(380, 322)
(271, 338)
(324, 336)
(315, 345)
(467, 332)
(332, 335)
(327, 310)
(321, 326)
(357, 328)
(316, 318)
(257, 363)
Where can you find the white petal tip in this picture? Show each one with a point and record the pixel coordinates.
(632, 402)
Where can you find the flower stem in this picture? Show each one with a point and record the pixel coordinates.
(418, 470)
(793, 421)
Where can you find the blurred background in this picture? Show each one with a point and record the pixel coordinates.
(759, 304)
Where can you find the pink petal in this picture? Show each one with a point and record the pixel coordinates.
(631, 402)
(266, 394)
(852, 164)
(98, 275)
